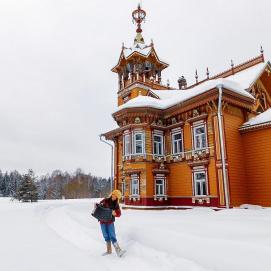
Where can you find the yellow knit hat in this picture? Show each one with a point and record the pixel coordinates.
(117, 193)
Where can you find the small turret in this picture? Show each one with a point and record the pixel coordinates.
(140, 62)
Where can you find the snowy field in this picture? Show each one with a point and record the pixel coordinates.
(62, 236)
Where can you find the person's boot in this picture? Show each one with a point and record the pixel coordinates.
(108, 248)
(118, 250)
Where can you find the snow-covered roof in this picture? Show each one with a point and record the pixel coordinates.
(140, 48)
(247, 77)
(169, 98)
(262, 118)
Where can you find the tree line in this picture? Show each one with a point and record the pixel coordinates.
(57, 185)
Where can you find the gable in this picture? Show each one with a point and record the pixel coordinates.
(261, 90)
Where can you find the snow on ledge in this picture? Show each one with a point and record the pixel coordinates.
(262, 118)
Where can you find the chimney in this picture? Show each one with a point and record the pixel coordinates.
(182, 82)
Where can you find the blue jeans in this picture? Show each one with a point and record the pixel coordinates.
(108, 231)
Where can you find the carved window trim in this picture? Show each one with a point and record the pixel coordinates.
(162, 186)
(173, 133)
(196, 125)
(200, 170)
(159, 134)
(137, 141)
(134, 186)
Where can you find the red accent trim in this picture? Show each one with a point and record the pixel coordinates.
(214, 202)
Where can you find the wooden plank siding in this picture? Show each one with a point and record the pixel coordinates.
(180, 182)
(148, 140)
(180, 179)
(187, 137)
(257, 151)
(233, 119)
(212, 178)
(134, 93)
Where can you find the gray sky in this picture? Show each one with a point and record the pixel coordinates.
(57, 90)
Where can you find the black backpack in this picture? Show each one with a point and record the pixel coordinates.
(102, 214)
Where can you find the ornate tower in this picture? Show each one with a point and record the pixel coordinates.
(139, 67)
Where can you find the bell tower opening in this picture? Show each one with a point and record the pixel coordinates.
(140, 62)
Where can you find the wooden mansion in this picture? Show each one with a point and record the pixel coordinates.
(207, 144)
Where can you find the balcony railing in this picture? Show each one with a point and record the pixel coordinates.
(194, 155)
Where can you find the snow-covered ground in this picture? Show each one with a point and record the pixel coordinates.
(62, 236)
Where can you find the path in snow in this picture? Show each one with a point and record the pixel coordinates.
(62, 235)
(83, 231)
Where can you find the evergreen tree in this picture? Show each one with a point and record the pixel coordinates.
(56, 185)
(27, 190)
(42, 186)
(2, 184)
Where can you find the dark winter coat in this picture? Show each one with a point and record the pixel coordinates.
(112, 204)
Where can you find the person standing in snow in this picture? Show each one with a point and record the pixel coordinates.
(108, 227)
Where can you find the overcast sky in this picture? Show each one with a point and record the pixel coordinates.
(57, 90)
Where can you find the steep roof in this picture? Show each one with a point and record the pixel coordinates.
(247, 78)
(169, 98)
(140, 49)
(238, 83)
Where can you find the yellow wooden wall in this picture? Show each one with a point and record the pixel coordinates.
(257, 154)
(233, 119)
(134, 93)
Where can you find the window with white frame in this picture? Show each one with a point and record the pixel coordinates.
(134, 184)
(200, 183)
(160, 185)
(127, 144)
(158, 144)
(200, 137)
(139, 143)
(177, 142)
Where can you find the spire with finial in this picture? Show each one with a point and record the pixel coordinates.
(232, 66)
(196, 76)
(262, 53)
(207, 73)
(139, 16)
